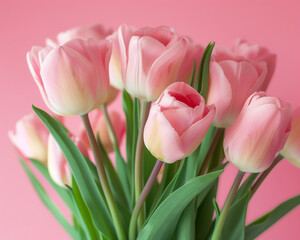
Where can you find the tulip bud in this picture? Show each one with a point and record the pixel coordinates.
(145, 61)
(177, 123)
(258, 134)
(72, 78)
(291, 150)
(100, 127)
(58, 166)
(257, 53)
(31, 138)
(232, 80)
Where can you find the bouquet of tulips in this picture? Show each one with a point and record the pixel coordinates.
(187, 111)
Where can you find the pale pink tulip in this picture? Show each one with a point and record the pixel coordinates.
(96, 31)
(145, 61)
(72, 78)
(58, 166)
(258, 134)
(177, 123)
(99, 127)
(291, 150)
(257, 53)
(232, 80)
(31, 138)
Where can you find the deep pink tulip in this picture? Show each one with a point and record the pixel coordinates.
(145, 61)
(99, 127)
(232, 80)
(58, 166)
(291, 150)
(177, 123)
(73, 77)
(257, 53)
(31, 138)
(259, 133)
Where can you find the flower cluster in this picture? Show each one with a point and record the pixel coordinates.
(156, 69)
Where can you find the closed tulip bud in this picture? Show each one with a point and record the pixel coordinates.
(177, 123)
(31, 138)
(291, 150)
(145, 61)
(257, 53)
(73, 77)
(232, 80)
(58, 166)
(100, 127)
(258, 134)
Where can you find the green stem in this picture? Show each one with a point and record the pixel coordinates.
(210, 151)
(142, 198)
(220, 222)
(145, 107)
(111, 131)
(263, 176)
(103, 178)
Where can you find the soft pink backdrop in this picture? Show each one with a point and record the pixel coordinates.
(275, 24)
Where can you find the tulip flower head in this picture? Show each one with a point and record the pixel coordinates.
(31, 138)
(258, 134)
(145, 61)
(177, 123)
(58, 166)
(291, 150)
(73, 77)
(232, 80)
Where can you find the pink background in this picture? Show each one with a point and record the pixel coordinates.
(275, 24)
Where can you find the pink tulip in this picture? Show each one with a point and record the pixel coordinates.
(99, 126)
(31, 138)
(232, 80)
(257, 53)
(58, 166)
(177, 123)
(72, 78)
(291, 150)
(259, 133)
(96, 31)
(145, 61)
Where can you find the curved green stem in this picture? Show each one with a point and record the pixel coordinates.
(220, 222)
(142, 198)
(210, 151)
(103, 179)
(263, 176)
(111, 131)
(145, 108)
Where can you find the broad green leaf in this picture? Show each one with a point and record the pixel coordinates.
(192, 79)
(254, 229)
(234, 226)
(205, 214)
(84, 213)
(82, 174)
(162, 223)
(218, 154)
(64, 193)
(48, 202)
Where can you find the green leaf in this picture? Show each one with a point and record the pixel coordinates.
(205, 71)
(82, 174)
(254, 229)
(84, 213)
(234, 226)
(193, 74)
(245, 186)
(162, 223)
(65, 194)
(48, 202)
